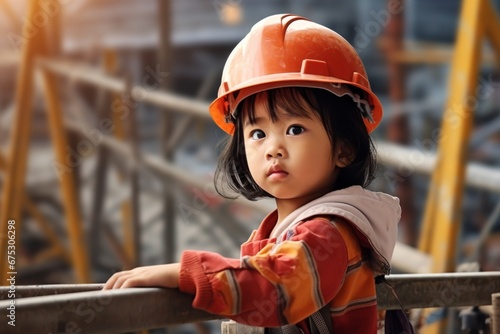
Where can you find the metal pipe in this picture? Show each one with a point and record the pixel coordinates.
(167, 126)
(14, 180)
(126, 310)
(492, 27)
(47, 228)
(125, 252)
(398, 125)
(439, 290)
(495, 317)
(101, 175)
(26, 291)
(97, 78)
(134, 230)
(111, 311)
(72, 208)
(423, 161)
(486, 232)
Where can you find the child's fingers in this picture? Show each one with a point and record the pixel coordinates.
(116, 281)
(166, 276)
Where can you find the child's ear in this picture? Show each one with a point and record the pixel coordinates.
(345, 155)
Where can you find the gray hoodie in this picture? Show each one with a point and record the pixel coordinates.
(373, 214)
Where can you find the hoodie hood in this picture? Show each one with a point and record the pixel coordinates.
(373, 214)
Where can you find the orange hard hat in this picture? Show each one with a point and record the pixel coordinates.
(287, 50)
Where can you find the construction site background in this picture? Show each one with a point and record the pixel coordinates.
(142, 164)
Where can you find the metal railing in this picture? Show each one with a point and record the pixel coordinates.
(83, 308)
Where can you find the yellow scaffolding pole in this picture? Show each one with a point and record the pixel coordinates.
(67, 179)
(112, 67)
(18, 150)
(35, 44)
(442, 217)
(126, 250)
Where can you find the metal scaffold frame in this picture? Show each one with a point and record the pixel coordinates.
(15, 169)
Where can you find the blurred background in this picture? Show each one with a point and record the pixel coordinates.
(107, 152)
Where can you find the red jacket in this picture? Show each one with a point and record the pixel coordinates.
(318, 260)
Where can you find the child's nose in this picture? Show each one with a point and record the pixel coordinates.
(275, 150)
(275, 155)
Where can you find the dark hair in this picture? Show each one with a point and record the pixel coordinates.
(341, 118)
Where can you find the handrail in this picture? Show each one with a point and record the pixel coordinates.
(111, 311)
(114, 311)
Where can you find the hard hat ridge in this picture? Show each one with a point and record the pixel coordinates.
(287, 50)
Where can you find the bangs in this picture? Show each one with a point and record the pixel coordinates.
(293, 101)
(341, 119)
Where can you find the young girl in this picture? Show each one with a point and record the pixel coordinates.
(296, 100)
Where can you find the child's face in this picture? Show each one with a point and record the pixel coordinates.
(291, 159)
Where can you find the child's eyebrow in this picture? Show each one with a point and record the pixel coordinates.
(285, 115)
(253, 121)
(293, 115)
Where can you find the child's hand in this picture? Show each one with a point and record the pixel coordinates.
(165, 275)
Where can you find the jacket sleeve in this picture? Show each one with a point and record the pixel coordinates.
(282, 283)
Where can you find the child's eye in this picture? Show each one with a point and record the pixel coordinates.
(295, 130)
(257, 134)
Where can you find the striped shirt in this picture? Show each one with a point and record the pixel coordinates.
(276, 282)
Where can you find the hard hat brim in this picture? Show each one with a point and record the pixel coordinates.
(220, 108)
